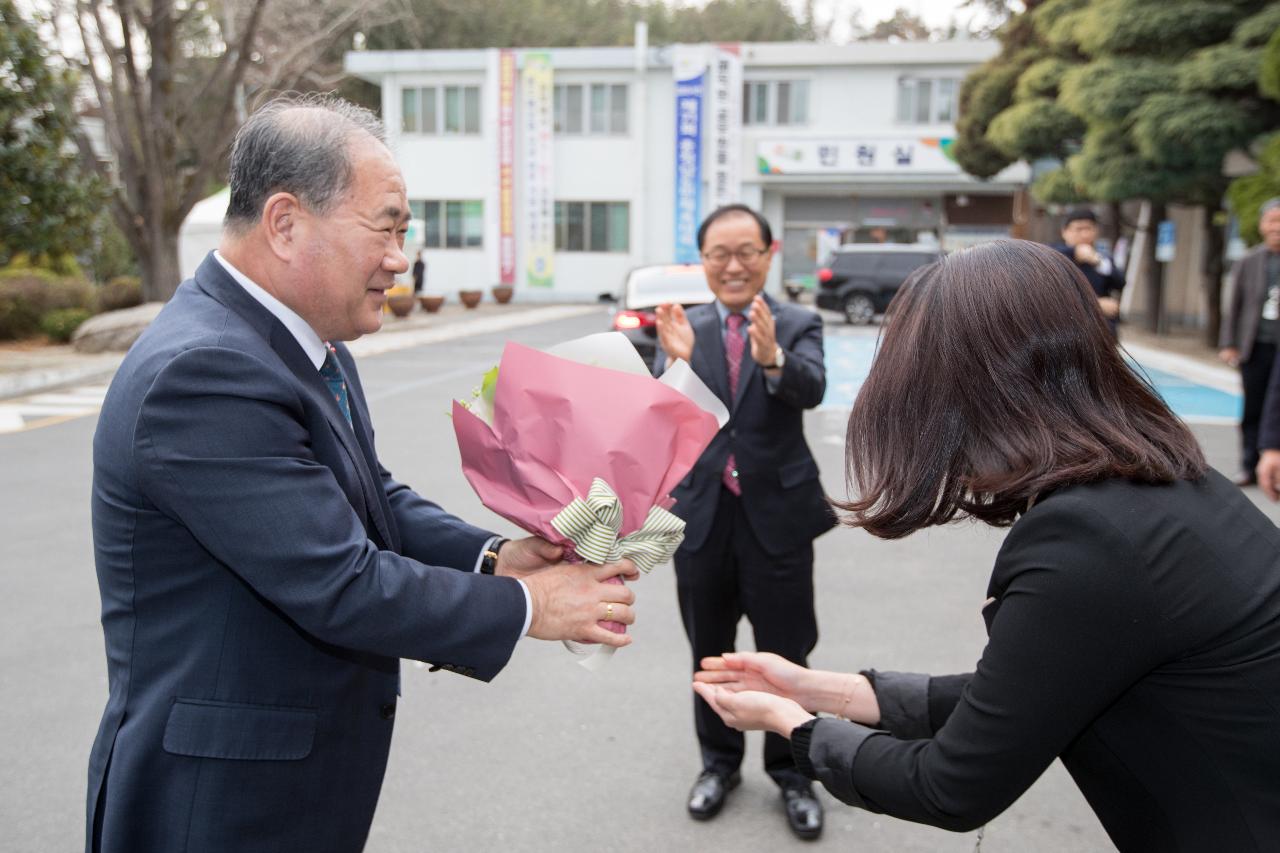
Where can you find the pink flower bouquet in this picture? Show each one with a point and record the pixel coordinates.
(582, 446)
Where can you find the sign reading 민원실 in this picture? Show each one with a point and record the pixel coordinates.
(506, 166)
(690, 67)
(879, 155)
(539, 202)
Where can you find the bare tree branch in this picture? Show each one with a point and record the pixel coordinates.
(225, 113)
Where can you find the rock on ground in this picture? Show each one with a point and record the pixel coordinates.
(114, 331)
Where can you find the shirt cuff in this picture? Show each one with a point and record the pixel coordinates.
(528, 599)
(528, 608)
(904, 703)
(833, 748)
(1104, 266)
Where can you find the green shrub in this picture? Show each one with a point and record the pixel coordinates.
(60, 265)
(61, 324)
(123, 291)
(18, 315)
(27, 294)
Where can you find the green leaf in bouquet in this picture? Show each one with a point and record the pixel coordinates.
(489, 387)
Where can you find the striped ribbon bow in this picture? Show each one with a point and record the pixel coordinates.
(592, 525)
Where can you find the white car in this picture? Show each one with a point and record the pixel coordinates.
(648, 287)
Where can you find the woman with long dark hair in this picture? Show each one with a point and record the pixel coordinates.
(1134, 608)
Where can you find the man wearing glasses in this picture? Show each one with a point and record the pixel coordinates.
(753, 504)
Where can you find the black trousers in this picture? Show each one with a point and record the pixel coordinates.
(732, 576)
(1254, 375)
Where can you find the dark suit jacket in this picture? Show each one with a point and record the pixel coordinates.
(1244, 308)
(261, 574)
(1135, 633)
(1103, 285)
(781, 494)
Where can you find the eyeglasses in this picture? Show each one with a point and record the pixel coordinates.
(747, 256)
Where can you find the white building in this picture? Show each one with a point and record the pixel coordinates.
(577, 178)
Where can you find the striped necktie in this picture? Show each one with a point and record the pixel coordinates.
(733, 347)
(331, 373)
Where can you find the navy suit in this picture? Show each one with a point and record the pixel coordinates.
(753, 555)
(261, 573)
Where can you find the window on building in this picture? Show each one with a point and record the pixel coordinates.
(779, 102)
(427, 109)
(598, 109)
(947, 99)
(593, 226)
(450, 224)
(923, 100)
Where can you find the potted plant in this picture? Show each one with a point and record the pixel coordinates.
(502, 293)
(431, 302)
(400, 300)
(470, 298)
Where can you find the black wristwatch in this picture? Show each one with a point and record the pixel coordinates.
(489, 562)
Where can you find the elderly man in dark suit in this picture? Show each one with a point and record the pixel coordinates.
(1251, 331)
(753, 503)
(261, 572)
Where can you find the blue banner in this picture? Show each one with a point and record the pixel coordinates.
(689, 95)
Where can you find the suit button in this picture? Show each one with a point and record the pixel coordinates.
(388, 711)
(733, 433)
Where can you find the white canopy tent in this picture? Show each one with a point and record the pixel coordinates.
(201, 231)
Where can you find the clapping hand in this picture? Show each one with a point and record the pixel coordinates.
(1086, 254)
(762, 332)
(674, 331)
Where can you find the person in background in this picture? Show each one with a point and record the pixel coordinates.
(753, 503)
(1133, 613)
(419, 272)
(1250, 332)
(1079, 234)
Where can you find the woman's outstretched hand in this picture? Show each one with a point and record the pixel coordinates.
(755, 671)
(843, 694)
(752, 710)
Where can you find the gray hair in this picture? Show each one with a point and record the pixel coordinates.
(298, 144)
(1268, 206)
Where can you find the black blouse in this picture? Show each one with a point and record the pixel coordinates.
(1135, 633)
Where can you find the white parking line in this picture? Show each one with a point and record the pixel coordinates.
(47, 409)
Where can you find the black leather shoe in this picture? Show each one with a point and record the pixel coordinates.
(804, 812)
(707, 796)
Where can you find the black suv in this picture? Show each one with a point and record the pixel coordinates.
(860, 279)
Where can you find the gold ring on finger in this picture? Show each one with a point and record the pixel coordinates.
(608, 613)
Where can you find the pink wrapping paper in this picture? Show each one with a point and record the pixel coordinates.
(558, 424)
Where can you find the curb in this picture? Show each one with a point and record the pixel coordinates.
(20, 383)
(1221, 378)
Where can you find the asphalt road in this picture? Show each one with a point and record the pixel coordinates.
(548, 757)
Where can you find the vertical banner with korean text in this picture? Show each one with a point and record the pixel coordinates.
(690, 68)
(726, 125)
(539, 201)
(506, 166)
